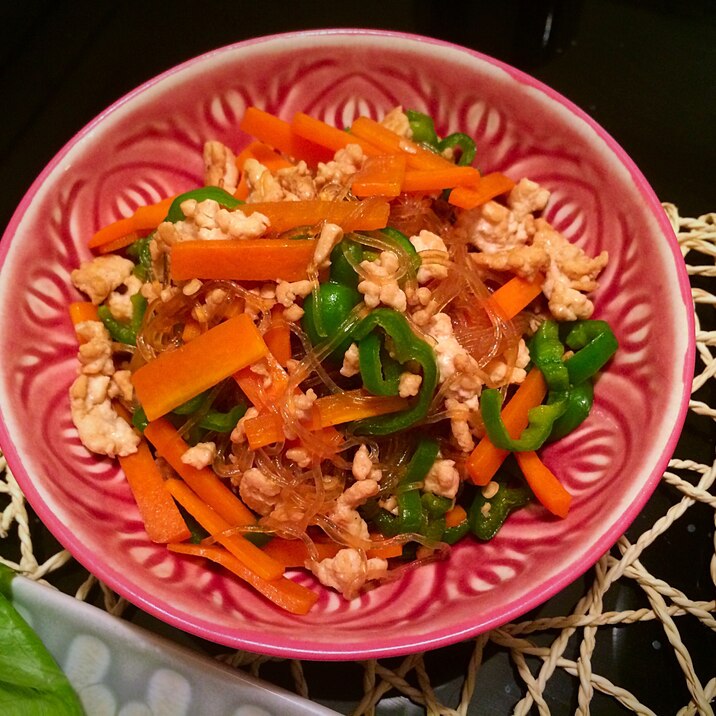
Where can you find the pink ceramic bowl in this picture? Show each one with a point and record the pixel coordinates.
(148, 145)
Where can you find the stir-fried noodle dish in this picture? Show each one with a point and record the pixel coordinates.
(342, 353)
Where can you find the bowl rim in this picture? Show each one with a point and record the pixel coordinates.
(536, 595)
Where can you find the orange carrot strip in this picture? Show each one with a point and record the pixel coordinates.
(267, 428)
(262, 153)
(387, 552)
(144, 219)
(205, 483)
(120, 243)
(355, 405)
(292, 553)
(455, 516)
(516, 294)
(327, 136)
(162, 520)
(489, 186)
(81, 311)
(264, 429)
(248, 553)
(289, 595)
(366, 215)
(389, 142)
(485, 459)
(278, 336)
(177, 375)
(380, 176)
(547, 488)
(242, 259)
(438, 179)
(279, 134)
(252, 383)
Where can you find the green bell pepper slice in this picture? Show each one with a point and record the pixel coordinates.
(324, 314)
(454, 534)
(220, 196)
(436, 505)
(410, 517)
(423, 128)
(485, 524)
(342, 271)
(407, 347)
(594, 343)
(579, 404)
(380, 373)
(465, 144)
(139, 250)
(139, 419)
(547, 353)
(125, 331)
(219, 422)
(541, 420)
(192, 405)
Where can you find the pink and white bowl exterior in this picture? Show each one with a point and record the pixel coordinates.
(148, 145)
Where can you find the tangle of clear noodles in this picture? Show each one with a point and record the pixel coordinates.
(164, 321)
(315, 441)
(411, 213)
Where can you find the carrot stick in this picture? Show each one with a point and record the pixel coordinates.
(120, 243)
(144, 219)
(354, 405)
(278, 336)
(455, 516)
(267, 428)
(485, 459)
(327, 136)
(366, 215)
(431, 180)
(489, 186)
(388, 142)
(162, 520)
(204, 482)
(261, 153)
(547, 488)
(279, 134)
(81, 311)
(264, 429)
(292, 553)
(387, 552)
(179, 374)
(516, 294)
(248, 553)
(380, 176)
(242, 259)
(262, 396)
(289, 595)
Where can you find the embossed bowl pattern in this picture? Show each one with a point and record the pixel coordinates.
(148, 145)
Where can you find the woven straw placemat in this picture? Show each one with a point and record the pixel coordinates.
(544, 650)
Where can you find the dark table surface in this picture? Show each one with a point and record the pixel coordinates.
(646, 71)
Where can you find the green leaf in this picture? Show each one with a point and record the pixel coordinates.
(31, 682)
